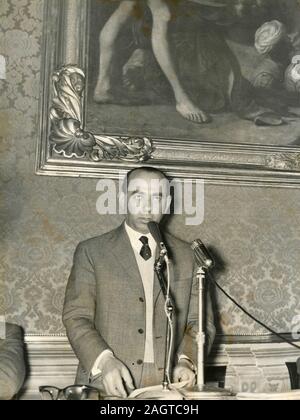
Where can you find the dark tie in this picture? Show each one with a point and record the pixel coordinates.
(146, 250)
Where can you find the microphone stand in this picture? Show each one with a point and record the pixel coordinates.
(159, 265)
(201, 391)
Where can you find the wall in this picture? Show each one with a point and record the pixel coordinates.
(254, 231)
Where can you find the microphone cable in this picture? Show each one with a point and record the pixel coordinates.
(170, 320)
(252, 316)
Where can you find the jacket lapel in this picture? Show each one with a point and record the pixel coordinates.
(124, 256)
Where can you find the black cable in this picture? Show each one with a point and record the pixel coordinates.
(253, 317)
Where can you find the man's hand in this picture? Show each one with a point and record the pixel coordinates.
(183, 372)
(115, 374)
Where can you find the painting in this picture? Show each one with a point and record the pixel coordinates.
(209, 88)
(200, 70)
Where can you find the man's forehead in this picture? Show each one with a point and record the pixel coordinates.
(144, 178)
(148, 184)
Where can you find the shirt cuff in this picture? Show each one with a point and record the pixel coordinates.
(96, 371)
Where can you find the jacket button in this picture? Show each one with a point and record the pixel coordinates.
(141, 299)
(141, 331)
(139, 362)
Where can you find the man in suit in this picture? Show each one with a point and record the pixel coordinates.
(114, 308)
(12, 365)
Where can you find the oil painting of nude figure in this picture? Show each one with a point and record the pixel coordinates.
(206, 70)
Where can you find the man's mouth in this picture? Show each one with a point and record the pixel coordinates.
(146, 219)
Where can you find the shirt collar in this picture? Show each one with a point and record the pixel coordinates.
(135, 236)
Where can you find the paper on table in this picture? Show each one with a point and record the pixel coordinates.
(280, 396)
(157, 392)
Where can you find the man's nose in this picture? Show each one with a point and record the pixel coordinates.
(147, 208)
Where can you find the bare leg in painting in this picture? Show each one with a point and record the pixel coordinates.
(108, 37)
(161, 48)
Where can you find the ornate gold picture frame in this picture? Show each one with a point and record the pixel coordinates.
(68, 147)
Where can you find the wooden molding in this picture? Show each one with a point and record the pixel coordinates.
(251, 367)
(51, 361)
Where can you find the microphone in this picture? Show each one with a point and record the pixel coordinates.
(157, 236)
(163, 256)
(156, 233)
(202, 256)
(165, 285)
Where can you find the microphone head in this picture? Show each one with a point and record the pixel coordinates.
(202, 257)
(155, 232)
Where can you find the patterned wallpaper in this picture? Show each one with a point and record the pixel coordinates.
(254, 232)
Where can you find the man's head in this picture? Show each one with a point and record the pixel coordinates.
(147, 191)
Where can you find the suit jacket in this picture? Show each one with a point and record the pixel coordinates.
(105, 304)
(12, 365)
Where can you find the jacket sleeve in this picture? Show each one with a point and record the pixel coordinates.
(12, 365)
(188, 346)
(79, 310)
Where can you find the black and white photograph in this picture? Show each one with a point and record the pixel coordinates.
(149, 203)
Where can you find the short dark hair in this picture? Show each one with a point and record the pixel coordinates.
(147, 169)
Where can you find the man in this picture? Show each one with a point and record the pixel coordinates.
(114, 309)
(12, 365)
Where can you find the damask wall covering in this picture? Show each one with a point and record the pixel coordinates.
(254, 232)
